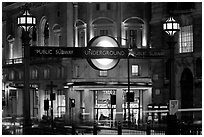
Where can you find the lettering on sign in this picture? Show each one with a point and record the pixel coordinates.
(141, 53)
(64, 52)
(44, 51)
(110, 52)
(94, 52)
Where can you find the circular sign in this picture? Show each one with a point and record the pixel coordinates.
(103, 63)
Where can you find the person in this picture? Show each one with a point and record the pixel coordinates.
(102, 117)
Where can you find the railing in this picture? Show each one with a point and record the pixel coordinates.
(61, 129)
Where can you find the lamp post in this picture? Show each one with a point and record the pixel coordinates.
(171, 27)
(26, 21)
(128, 105)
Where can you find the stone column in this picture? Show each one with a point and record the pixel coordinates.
(89, 104)
(119, 102)
(67, 113)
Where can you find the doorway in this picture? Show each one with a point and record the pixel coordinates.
(186, 94)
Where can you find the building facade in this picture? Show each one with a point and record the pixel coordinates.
(133, 25)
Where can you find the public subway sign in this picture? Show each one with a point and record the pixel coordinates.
(102, 52)
(94, 52)
(79, 52)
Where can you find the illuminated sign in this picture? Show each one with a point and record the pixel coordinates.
(79, 52)
(102, 52)
(63, 52)
(95, 52)
(104, 42)
(105, 52)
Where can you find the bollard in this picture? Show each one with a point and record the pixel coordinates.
(148, 130)
(119, 128)
(172, 125)
(95, 128)
(73, 130)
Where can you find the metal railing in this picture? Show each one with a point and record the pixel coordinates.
(95, 129)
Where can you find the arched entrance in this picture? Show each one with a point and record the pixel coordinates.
(186, 94)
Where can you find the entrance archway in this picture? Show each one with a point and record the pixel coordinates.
(186, 94)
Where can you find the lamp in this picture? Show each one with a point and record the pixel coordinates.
(171, 26)
(26, 21)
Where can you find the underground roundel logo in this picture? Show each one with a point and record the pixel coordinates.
(103, 63)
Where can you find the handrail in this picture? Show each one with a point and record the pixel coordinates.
(179, 110)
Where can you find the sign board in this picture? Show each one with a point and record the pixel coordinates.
(106, 44)
(146, 53)
(173, 107)
(94, 52)
(62, 52)
(102, 52)
(79, 52)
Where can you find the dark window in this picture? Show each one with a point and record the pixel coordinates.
(199, 68)
(134, 37)
(108, 6)
(58, 13)
(97, 6)
(46, 30)
(46, 34)
(180, 6)
(34, 34)
(103, 32)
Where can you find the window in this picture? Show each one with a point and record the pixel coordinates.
(199, 68)
(34, 74)
(103, 32)
(11, 44)
(81, 38)
(61, 103)
(103, 6)
(36, 97)
(46, 34)
(103, 73)
(97, 6)
(34, 36)
(60, 72)
(80, 34)
(11, 75)
(103, 26)
(180, 6)
(134, 38)
(132, 33)
(76, 71)
(46, 73)
(108, 6)
(186, 39)
(47, 94)
(20, 75)
(57, 34)
(135, 70)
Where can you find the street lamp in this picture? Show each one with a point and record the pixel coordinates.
(26, 21)
(171, 27)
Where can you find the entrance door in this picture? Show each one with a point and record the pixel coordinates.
(133, 114)
(105, 112)
(187, 94)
